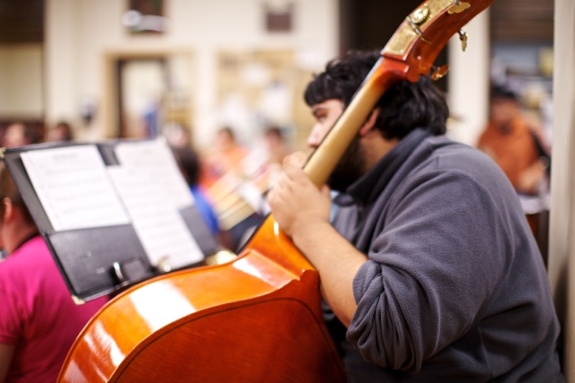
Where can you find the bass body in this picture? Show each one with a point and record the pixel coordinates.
(250, 320)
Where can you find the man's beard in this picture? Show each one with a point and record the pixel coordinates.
(349, 168)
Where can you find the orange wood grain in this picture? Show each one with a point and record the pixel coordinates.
(253, 319)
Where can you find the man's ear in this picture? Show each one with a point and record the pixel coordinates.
(369, 123)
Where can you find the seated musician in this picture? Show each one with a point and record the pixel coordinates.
(38, 318)
(429, 267)
(189, 164)
(228, 184)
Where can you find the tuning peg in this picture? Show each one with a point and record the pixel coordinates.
(458, 7)
(420, 15)
(439, 72)
(463, 38)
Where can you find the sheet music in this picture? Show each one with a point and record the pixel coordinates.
(74, 188)
(157, 157)
(155, 218)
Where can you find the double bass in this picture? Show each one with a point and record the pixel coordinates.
(257, 317)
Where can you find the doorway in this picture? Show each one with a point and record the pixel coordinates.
(148, 94)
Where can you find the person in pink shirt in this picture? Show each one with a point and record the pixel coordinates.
(39, 321)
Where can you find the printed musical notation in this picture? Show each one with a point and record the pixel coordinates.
(78, 191)
(74, 188)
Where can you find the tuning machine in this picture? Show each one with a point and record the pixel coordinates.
(458, 7)
(418, 18)
(463, 39)
(439, 72)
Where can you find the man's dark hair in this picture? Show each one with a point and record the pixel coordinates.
(404, 107)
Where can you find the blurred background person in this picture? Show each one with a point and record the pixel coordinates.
(225, 155)
(20, 134)
(276, 145)
(39, 321)
(512, 142)
(177, 135)
(265, 161)
(228, 182)
(519, 148)
(61, 132)
(189, 164)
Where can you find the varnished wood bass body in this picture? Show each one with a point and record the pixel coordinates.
(252, 320)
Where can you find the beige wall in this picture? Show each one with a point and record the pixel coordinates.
(21, 83)
(81, 32)
(469, 81)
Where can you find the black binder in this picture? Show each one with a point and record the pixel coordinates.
(97, 261)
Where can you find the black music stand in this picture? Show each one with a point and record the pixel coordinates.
(97, 261)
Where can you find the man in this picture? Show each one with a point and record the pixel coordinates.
(429, 264)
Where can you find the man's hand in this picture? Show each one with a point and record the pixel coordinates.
(296, 203)
(303, 212)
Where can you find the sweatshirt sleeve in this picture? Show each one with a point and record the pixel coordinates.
(430, 273)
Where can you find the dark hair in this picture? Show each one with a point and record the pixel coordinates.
(229, 131)
(67, 128)
(8, 190)
(274, 131)
(502, 92)
(403, 107)
(189, 164)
